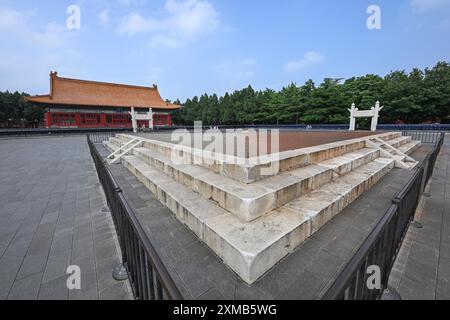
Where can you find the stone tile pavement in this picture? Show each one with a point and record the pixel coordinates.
(304, 274)
(50, 218)
(422, 268)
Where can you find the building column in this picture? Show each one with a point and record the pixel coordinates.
(48, 119)
(103, 120)
(77, 119)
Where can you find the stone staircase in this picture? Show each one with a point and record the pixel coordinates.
(391, 149)
(252, 220)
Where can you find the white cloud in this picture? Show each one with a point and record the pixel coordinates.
(124, 2)
(16, 24)
(54, 36)
(166, 41)
(127, 3)
(13, 20)
(424, 5)
(181, 22)
(32, 50)
(134, 23)
(192, 17)
(103, 17)
(310, 58)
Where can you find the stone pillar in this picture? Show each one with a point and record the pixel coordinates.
(150, 119)
(352, 117)
(376, 115)
(133, 120)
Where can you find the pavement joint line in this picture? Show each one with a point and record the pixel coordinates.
(93, 245)
(39, 206)
(50, 248)
(23, 259)
(433, 210)
(442, 225)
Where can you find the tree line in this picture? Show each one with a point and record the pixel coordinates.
(15, 111)
(416, 97)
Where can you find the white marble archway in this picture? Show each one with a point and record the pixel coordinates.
(373, 113)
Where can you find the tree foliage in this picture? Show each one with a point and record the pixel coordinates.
(16, 111)
(414, 97)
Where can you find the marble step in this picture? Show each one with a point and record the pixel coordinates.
(116, 141)
(410, 147)
(398, 142)
(390, 136)
(247, 201)
(406, 148)
(350, 161)
(252, 248)
(323, 204)
(250, 201)
(255, 169)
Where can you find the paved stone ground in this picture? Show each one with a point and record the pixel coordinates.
(305, 274)
(50, 218)
(422, 268)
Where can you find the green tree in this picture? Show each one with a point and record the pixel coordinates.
(412, 97)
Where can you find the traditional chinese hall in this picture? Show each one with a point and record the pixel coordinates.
(90, 104)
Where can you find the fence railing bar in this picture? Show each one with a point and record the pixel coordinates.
(383, 243)
(150, 279)
(134, 242)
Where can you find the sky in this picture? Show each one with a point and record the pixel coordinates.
(191, 47)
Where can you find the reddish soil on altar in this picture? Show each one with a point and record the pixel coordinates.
(289, 140)
(301, 139)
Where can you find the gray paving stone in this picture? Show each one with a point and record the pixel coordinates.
(44, 206)
(423, 269)
(83, 248)
(105, 268)
(85, 293)
(50, 217)
(56, 266)
(105, 251)
(9, 266)
(117, 291)
(61, 243)
(327, 249)
(26, 289)
(55, 289)
(32, 263)
(212, 294)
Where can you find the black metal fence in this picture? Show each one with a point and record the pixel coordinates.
(296, 127)
(414, 127)
(148, 277)
(60, 131)
(427, 129)
(437, 128)
(99, 137)
(382, 245)
(427, 137)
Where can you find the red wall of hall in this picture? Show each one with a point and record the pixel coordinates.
(98, 120)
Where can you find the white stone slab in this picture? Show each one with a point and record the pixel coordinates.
(248, 172)
(253, 248)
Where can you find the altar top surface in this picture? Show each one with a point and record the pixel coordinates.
(288, 140)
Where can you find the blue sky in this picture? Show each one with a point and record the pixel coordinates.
(197, 46)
